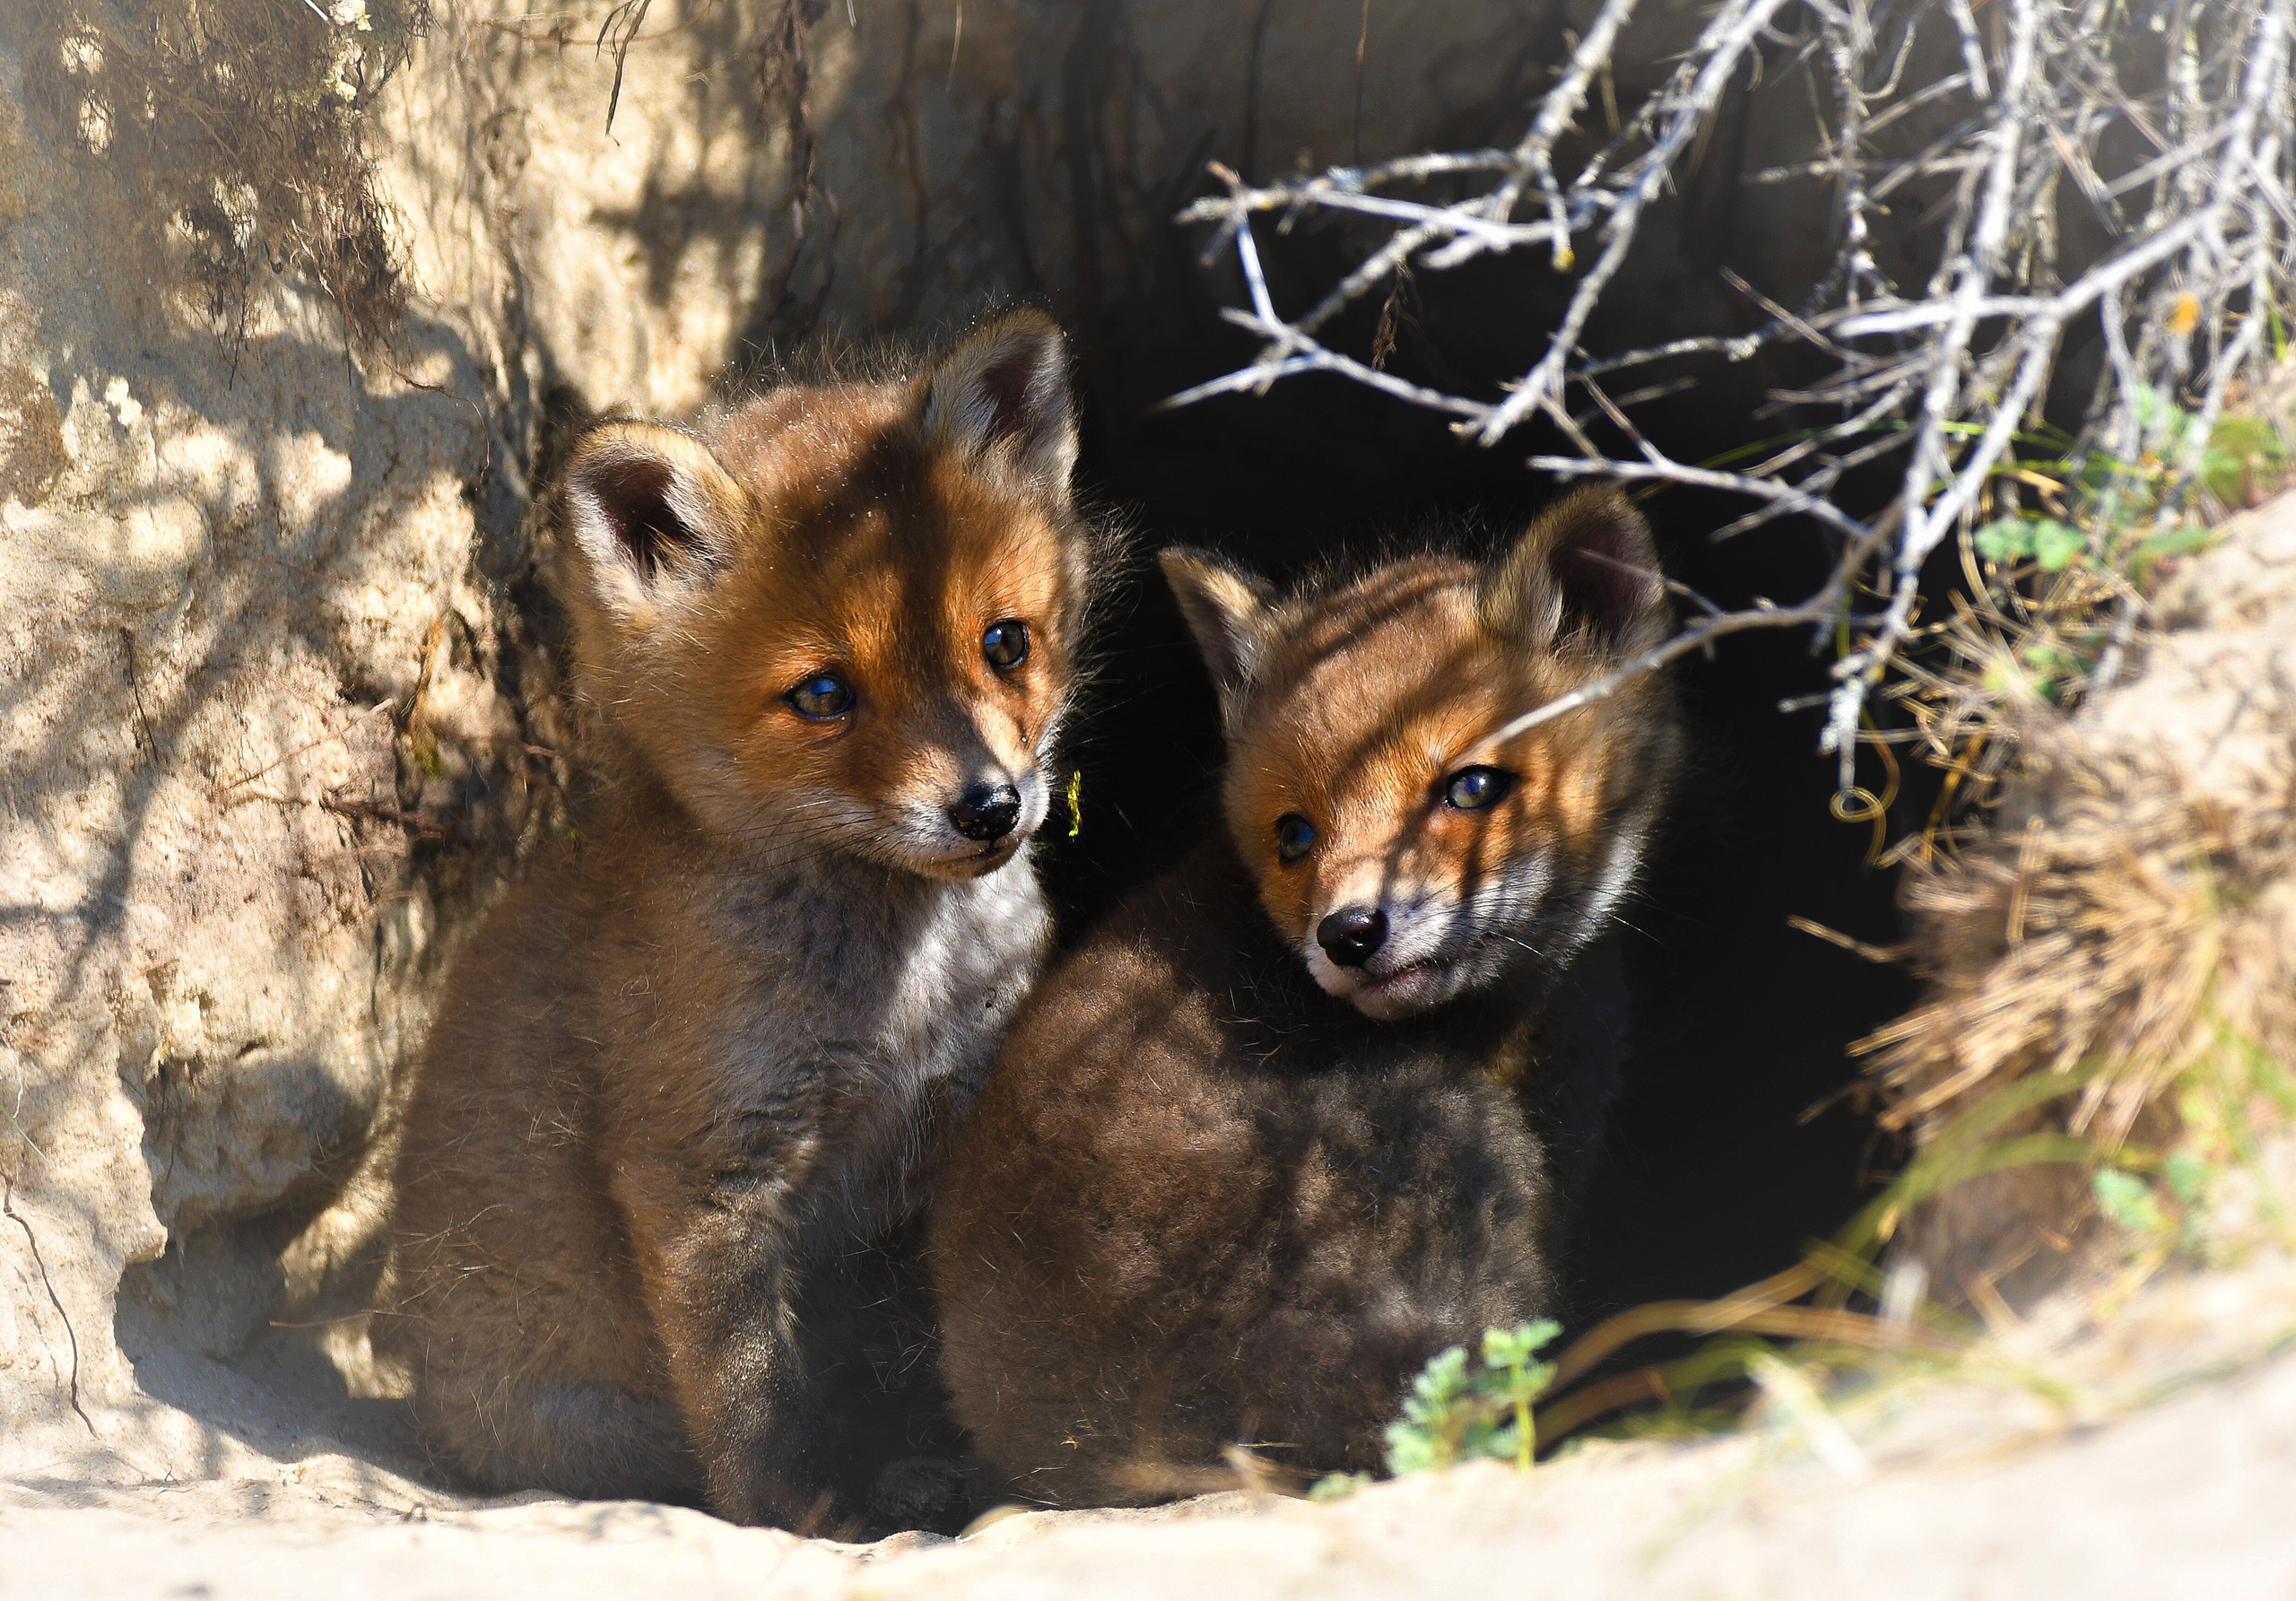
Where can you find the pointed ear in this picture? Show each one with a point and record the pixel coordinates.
(1227, 611)
(1585, 565)
(1003, 394)
(650, 510)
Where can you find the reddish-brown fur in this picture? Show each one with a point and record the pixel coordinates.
(674, 1128)
(1224, 1188)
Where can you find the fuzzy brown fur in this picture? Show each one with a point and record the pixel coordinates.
(1216, 1195)
(665, 1157)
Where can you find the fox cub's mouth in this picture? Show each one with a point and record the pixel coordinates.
(983, 859)
(966, 861)
(1407, 988)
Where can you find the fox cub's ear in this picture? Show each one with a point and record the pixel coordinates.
(1002, 394)
(650, 509)
(1585, 565)
(1228, 612)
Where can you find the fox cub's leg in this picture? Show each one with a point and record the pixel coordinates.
(580, 1437)
(718, 1280)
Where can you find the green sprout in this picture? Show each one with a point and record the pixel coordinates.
(1460, 1411)
(2127, 1202)
(2055, 545)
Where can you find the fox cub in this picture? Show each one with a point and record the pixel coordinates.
(1288, 1124)
(686, 1092)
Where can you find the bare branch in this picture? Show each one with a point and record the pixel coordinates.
(1951, 377)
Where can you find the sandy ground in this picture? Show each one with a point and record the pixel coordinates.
(2195, 1497)
(2159, 1460)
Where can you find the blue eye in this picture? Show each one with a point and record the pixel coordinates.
(1005, 644)
(1294, 834)
(821, 697)
(1474, 789)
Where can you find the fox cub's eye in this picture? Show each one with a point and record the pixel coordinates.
(823, 696)
(1472, 788)
(1006, 643)
(1293, 835)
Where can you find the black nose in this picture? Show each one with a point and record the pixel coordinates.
(986, 813)
(1349, 936)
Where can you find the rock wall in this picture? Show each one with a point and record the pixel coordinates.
(252, 665)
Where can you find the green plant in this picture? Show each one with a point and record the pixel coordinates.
(1460, 1411)
(2170, 1213)
(2055, 545)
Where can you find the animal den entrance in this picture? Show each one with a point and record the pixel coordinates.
(1715, 1170)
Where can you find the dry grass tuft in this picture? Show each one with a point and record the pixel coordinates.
(240, 128)
(2103, 928)
(2131, 907)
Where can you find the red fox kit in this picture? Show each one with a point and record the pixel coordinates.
(684, 1094)
(1260, 1147)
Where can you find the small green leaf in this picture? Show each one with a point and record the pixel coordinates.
(2188, 1176)
(2164, 423)
(1443, 1378)
(2245, 453)
(2128, 1201)
(2175, 542)
(1512, 1348)
(1338, 1486)
(2002, 680)
(1410, 1450)
(2004, 540)
(2057, 545)
(1457, 1412)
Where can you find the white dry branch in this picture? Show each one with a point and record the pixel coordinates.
(2049, 100)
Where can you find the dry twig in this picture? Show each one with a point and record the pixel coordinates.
(2054, 98)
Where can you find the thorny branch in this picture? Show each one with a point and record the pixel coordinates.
(2045, 106)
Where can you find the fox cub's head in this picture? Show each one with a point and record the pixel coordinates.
(1408, 853)
(844, 617)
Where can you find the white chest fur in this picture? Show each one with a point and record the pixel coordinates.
(885, 983)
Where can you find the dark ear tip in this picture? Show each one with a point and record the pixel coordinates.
(1024, 332)
(609, 441)
(1184, 561)
(1026, 320)
(1600, 519)
(1189, 568)
(608, 461)
(652, 495)
(1606, 502)
(1005, 383)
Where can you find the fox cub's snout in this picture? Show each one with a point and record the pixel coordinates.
(1404, 852)
(844, 627)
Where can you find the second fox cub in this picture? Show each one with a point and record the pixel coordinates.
(685, 1093)
(1258, 1147)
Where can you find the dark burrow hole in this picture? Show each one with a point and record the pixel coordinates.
(1735, 1142)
